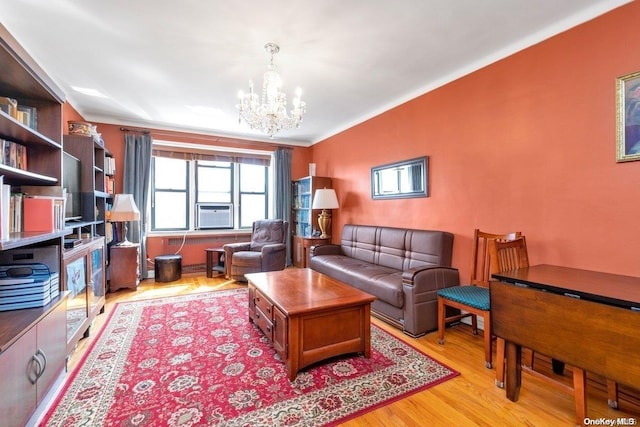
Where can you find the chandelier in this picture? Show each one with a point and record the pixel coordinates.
(268, 113)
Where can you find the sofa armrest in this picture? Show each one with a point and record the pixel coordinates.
(325, 250)
(420, 286)
(274, 257)
(272, 248)
(229, 250)
(430, 278)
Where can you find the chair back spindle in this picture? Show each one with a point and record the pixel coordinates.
(481, 260)
(508, 255)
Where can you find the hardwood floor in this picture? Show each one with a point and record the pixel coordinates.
(471, 399)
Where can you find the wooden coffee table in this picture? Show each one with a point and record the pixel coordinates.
(308, 316)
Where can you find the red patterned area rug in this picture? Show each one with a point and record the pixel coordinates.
(196, 360)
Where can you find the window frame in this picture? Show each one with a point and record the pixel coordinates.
(187, 192)
(198, 164)
(266, 193)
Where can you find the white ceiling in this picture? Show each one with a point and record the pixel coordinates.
(180, 64)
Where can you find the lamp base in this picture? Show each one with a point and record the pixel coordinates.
(126, 241)
(324, 221)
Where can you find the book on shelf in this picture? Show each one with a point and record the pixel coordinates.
(9, 106)
(13, 154)
(42, 214)
(28, 116)
(5, 199)
(43, 208)
(109, 185)
(109, 166)
(15, 213)
(24, 114)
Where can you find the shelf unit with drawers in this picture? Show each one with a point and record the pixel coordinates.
(32, 340)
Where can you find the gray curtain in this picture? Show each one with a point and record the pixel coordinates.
(136, 180)
(283, 198)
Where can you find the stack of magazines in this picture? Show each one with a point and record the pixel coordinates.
(27, 286)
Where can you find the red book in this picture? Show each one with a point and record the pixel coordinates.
(37, 214)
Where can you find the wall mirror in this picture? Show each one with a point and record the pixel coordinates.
(401, 179)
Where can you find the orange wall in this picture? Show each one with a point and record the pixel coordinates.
(527, 143)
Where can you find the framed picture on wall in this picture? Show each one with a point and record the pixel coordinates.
(628, 117)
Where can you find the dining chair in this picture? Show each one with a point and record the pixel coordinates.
(472, 300)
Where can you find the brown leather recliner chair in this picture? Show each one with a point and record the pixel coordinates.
(265, 252)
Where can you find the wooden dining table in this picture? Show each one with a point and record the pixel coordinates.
(588, 319)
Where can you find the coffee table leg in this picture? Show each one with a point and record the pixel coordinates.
(295, 344)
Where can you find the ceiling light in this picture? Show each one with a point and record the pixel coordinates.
(268, 114)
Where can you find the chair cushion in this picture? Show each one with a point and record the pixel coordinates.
(247, 259)
(473, 296)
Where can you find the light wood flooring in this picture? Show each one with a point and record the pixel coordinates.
(471, 399)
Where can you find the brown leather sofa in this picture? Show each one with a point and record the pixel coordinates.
(403, 268)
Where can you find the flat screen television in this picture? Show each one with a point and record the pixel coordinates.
(71, 182)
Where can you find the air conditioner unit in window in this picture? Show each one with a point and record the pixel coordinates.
(214, 215)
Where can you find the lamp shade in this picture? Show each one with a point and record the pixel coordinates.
(124, 209)
(325, 199)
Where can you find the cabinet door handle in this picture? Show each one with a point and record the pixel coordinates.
(44, 361)
(38, 372)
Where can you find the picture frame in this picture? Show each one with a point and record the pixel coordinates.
(628, 117)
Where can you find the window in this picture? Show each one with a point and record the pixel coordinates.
(180, 180)
(253, 194)
(170, 179)
(214, 182)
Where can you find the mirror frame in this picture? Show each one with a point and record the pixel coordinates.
(423, 162)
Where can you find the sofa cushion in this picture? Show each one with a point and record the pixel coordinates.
(383, 282)
(397, 248)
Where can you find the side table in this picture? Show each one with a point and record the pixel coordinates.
(219, 262)
(124, 267)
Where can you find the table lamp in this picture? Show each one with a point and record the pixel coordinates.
(124, 210)
(324, 199)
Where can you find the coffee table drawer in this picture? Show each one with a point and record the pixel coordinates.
(264, 304)
(264, 323)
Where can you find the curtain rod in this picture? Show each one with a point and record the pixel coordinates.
(144, 131)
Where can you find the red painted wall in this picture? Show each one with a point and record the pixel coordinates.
(527, 143)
